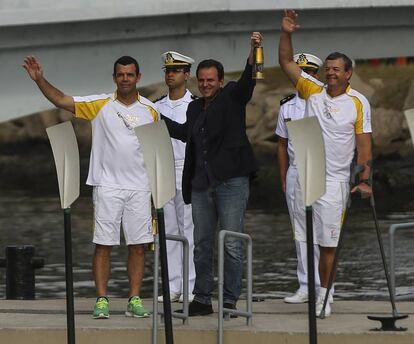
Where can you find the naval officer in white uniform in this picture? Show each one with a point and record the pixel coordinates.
(177, 214)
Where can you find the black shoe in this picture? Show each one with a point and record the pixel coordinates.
(230, 306)
(198, 308)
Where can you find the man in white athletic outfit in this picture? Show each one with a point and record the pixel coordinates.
(121, 191)
(177, 214)
(345, 119)
(293, 108)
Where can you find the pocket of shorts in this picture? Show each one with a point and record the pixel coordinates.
(106, 205)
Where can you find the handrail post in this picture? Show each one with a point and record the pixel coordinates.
(391, 233)
(248, 314)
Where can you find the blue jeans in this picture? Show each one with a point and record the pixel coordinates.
(225, 205)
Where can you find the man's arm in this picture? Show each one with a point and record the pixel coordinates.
(283, 160)
(245, 85)
(364, 150)
(55, 96)
(289, 25)
(176, 130)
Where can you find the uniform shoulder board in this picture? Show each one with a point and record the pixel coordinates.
(286, 99)
(194, 97)
(158, 99)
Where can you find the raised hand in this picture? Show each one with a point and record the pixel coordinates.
(256, 39)
(290, 21)
(33, 68)
(54, 95)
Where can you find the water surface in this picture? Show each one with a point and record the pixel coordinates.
(38, 221)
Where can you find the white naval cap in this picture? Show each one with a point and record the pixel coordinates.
(305, 60)
(173, 59)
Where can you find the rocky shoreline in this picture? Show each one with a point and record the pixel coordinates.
(26, 161)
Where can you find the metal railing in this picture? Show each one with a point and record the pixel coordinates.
(226, 312)
(391, 232)
(156, 312)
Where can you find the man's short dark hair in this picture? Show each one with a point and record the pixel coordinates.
(335, 56)
(212, 63)
(126, 60)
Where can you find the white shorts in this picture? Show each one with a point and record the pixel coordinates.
(328, 213)
(113, 207)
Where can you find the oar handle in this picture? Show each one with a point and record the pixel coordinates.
(70, 309)
(169, 338)
(383, 258)
(313, 336)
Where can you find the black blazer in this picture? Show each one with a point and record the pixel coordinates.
(230, 153)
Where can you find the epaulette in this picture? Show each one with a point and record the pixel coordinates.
(158, 99)
(286, 99)
(193, 97)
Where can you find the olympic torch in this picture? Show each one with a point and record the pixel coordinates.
(258, 66)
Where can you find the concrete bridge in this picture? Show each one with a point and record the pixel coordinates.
(78, 40)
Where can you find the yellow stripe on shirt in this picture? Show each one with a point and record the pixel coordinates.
(153, 112)
(89, 110)
(307, 87)
(358, 123)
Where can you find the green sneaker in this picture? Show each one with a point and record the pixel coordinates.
(136, 309)
(101, 310)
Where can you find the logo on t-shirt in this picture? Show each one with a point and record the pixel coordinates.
(130, 121)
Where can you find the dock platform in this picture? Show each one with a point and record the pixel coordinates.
(44, 322)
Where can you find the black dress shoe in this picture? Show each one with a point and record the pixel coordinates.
(230, 306)
(198, 308)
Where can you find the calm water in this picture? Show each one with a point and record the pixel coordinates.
(39, 222)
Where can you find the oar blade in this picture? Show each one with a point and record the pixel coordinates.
(156, 146)
(409, 115)
(308, 144)
(66, 155)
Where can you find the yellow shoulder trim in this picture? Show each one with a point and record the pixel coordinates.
(153, 112)
(359, 117)
(89, 110)
(307, 87)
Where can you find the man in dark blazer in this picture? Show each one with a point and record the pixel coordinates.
(218, 163)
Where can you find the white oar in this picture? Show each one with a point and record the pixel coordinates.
(409, 115)
(306, 135)
(156, 146)
(66, 154)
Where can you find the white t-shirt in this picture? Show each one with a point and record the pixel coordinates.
(341, 118)
(292, 110)
(175, 110)
(116, 159)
